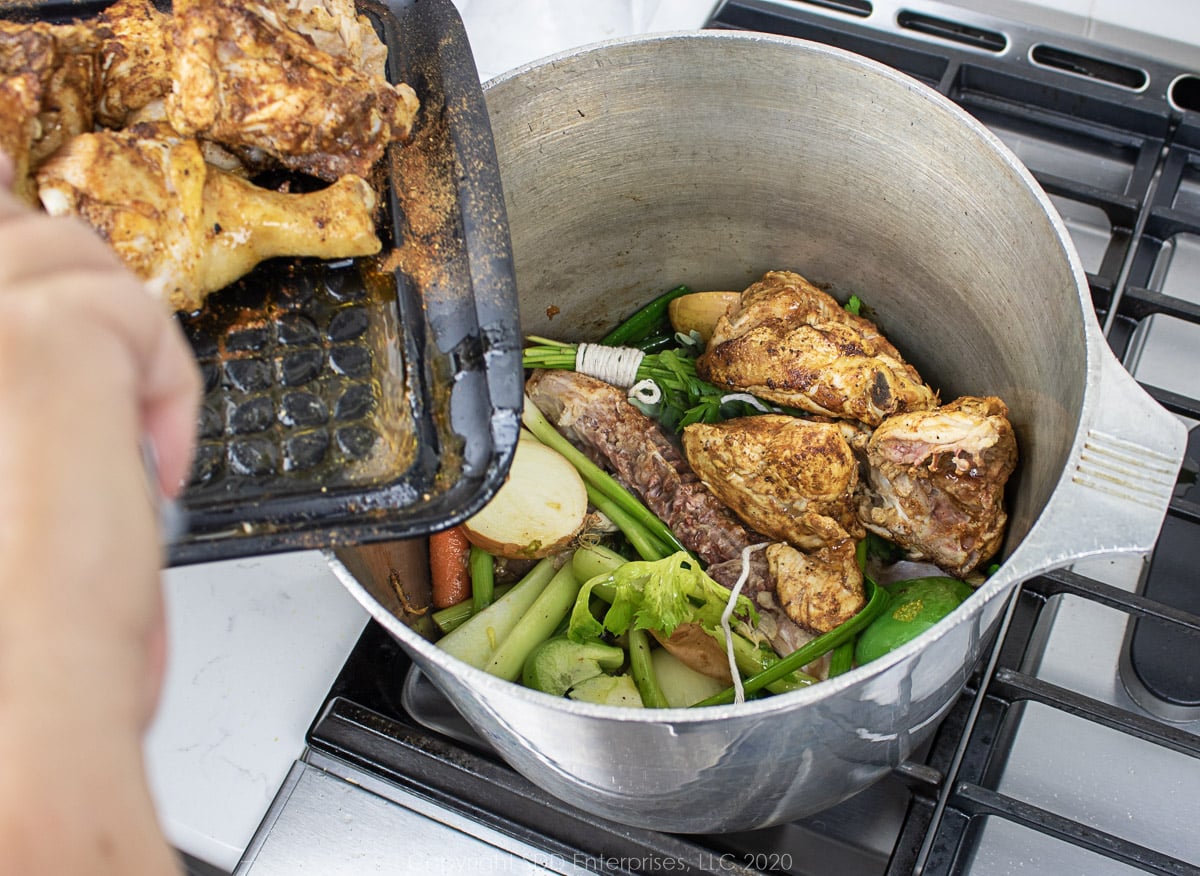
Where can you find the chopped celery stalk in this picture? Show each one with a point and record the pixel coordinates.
(450, 619)
(841, 660)
(558, 664)
(658, 595)
(535, 626)
(595, 559)
(476, 641)
(608, 690)
(642, 670)
(483, 578)
(644, 542)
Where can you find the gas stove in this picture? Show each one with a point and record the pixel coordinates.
(1076, 746)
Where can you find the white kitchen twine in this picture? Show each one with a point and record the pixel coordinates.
(739, 692)
(748, 399)
(645, 391)
(615, 365)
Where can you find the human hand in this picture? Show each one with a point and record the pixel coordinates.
(90, 368)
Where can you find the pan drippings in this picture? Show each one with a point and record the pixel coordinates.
(296, 397)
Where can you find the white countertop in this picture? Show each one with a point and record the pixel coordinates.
(256, 643)
(254, 646)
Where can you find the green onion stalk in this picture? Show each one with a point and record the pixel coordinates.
(876, 603)
(647, 323)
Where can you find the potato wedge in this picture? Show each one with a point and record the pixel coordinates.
(699, 311)
(682, 685)
(539, 509)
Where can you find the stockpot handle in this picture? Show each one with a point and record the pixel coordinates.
(1115, 494)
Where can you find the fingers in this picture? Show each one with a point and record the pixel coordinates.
(170, 400)
(165, 378)
(34, 245)
(76, 276)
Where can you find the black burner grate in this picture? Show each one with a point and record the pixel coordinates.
(941, 830)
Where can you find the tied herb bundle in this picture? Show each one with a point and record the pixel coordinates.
(664, 385)
(657, 365)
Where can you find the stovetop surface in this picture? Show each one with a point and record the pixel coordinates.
(1076, 747)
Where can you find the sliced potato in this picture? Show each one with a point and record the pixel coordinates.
(537, 511)
(699, 311)
(682, 685)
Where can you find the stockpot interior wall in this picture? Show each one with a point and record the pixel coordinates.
(707, 159)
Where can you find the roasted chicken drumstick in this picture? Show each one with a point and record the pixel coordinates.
(188, 229)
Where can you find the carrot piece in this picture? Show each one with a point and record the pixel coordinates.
(449, 572)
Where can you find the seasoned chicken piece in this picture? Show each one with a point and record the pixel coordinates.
(135, 60)
(936, 482)
(247, 80)
(819, 589)
(785, 585)
(597, 417)
(61, 60)
(788, 478)
(335, 27)
(188, 229)
(153, 117)
(790, 343)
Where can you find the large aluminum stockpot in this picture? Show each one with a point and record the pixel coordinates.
(708, 158)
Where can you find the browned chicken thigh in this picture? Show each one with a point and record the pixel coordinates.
(247, 80)
(936, 482)
(188, 229)
(790, 343)
(788, 478)
(819, 589)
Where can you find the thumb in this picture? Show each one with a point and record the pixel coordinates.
(9, 203)
(7, 172)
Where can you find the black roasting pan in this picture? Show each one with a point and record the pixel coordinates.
(368, 399)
